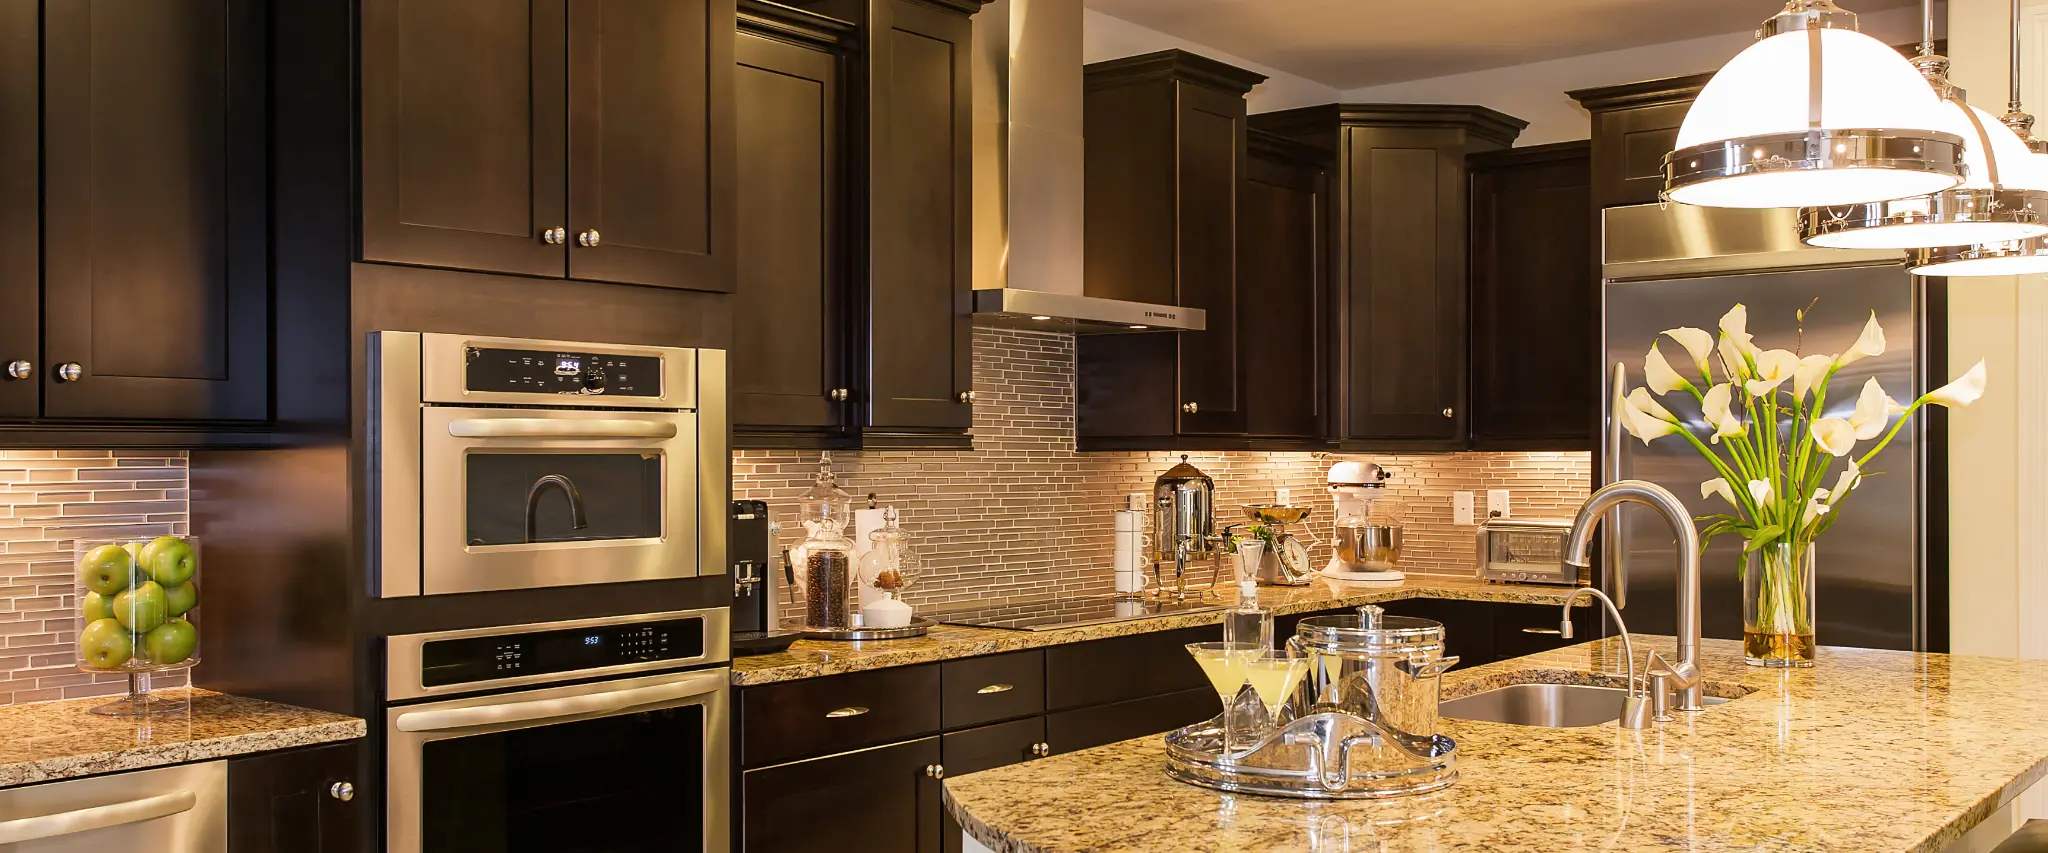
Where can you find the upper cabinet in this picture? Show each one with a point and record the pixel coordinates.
(134, 228)
(1399, 240)
(587, 139)
(1282, 270)
(1634, 126)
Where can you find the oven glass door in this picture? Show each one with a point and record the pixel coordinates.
(632, 777)
(519, 498)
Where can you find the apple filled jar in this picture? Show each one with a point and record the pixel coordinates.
(137, 603)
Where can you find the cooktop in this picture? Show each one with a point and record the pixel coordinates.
(1051, 614)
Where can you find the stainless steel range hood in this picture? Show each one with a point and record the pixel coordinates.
(1029, 159)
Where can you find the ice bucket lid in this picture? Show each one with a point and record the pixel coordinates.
(1371, 631)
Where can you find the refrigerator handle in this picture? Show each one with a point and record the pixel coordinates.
(1613, 576)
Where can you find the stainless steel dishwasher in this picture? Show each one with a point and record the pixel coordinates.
(166, 810)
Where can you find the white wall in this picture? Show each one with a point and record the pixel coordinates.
(1104, 37)
(1536, 92)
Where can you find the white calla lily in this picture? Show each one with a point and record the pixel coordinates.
(1714, 406)
(1849, 480)
(1641, 424)
(1760, 491)
(1698, 344)
(1718, 486)
(1648, 405)
(1809, 372)
(1873, 410)
(1962, 392)
(1659, 374)
(1816, 507)
(1834, 435)
(1869, 343)
(1773, 367)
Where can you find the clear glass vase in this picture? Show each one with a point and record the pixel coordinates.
(1777, 605)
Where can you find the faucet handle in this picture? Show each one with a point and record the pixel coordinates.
(1679, 676)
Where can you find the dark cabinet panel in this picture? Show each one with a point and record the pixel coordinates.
(1534, 300)
(788, 353)
(1525, 629)
(155, 270)
(1280, 270)
(1122, 668)
(793, 719)
(288, 802)
(1634, 126)
(1211, 156)
(464, 134)
(1468, 625)
(882, 800)
(996, 687)
(651, 142)
(20, 204)
(1083, 728)
(986, 748)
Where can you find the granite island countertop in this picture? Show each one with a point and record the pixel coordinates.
(47, 741)
(815, 658)
(1869, 751)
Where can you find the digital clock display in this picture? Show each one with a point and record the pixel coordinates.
(565, 366)
(594, 640)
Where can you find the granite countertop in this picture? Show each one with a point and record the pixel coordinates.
(47, 741)
(1868, 751)
(814, 658)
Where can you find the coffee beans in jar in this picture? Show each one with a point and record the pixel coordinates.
(829, 582)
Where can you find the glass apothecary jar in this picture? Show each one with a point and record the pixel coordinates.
(138, 602)
(890, 566)
(824, 560)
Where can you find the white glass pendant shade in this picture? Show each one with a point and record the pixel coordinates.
(2017, 257)
(1746, 141)
(1969, 213)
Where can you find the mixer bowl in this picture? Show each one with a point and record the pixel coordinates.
(1275, 513)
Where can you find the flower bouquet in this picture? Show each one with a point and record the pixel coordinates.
(1767, 434)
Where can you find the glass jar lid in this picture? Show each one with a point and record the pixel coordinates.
(825, 506)
(1371, 632)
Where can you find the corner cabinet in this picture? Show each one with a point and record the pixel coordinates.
(133, 203)
(1634, 126)
(584, 139)
(1399, 241)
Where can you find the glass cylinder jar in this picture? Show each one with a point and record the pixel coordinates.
(824, 560)
(137, 608)
(1777, 605)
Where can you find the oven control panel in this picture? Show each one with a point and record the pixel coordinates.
(549, 372)
(472, 659)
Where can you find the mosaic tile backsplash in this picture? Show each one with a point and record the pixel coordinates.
(48, 499)
(1022, 515)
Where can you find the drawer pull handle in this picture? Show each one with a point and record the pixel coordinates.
(854, 711)
(1551, 631)
(996, 688)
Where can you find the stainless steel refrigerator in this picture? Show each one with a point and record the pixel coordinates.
(1882, 574)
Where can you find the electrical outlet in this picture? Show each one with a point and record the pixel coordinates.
(1461, 508)
(1496, 503)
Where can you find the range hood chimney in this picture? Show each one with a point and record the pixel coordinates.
(1028, 180)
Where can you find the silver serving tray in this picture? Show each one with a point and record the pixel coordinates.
(917, 628)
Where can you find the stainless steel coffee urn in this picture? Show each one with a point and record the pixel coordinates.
(1183, 523)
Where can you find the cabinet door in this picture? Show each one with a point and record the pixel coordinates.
(1535, 314)
(884, 800)
(155, 269)
(464, 128)
(286, 802)
(1468, 625)
(21, 246)
(1628, 151)
(920, 231)
(986, 748)
(1211, 155)
(1405, 256)
(788, 344)
(651, 142)
(1280, 277)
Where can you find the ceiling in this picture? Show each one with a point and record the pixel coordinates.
(1349, 44)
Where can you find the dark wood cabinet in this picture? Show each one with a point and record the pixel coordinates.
(589, 139)
(1282, 216)
(1634, 126)
(1479, 632)
(795, 719)
(1103, 671)
(789, 365)
(150, 201)
(1399, 239)
(987, 748)
(1534, 299)
(1084, 728)
(296, 802)
(882, 800)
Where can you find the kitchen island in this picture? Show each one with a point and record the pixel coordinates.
(1868, 751)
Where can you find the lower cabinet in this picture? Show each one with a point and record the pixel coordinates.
(987, 748)
(298, 801)
(884, 799)
(1479, 632)
(1083, 728)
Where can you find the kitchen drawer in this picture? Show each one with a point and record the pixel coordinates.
(986, 689)
(1081, 728)
(1113, 670)
(1525, 629)
(780, 722)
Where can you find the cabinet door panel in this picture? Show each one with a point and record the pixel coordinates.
(21, 247)
(985, 748)
(283, 802)
(1534, 305)
(155, 267)
(463, 131)
(1280, 215)
(919, 279)
(879, 800)
(1211, 157)
(650, 142)
(1407, 330)
(787, 341)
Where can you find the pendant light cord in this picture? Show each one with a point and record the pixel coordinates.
(2012, 102)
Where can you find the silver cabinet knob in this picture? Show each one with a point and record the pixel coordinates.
(70, 371)
(1447, 411)
(342, 791)
(21, 368)
(967, 396)
(936, 771)
(1041, 749)
(1190, 408)
(839, 394)
(588, 238)
(554, 236)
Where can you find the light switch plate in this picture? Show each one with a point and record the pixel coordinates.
(1497, 502)
(1461, 508)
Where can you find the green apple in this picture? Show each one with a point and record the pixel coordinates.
(169, 560)
(171, 642)
(134, 550)
(143, 608)
(105, 644)
(106, 570)
(94, 607)
(180, 599)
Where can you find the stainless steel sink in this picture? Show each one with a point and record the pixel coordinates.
(1551, 705)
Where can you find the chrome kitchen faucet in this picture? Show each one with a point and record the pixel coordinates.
(1685, 674)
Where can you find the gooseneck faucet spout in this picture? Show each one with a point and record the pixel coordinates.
(1634, 714)
(1577, 546)
(577, 520)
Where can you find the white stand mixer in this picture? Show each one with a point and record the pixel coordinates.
(1366, 547)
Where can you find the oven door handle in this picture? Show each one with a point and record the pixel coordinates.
(96, 817)
(560, 428)
(545, 709)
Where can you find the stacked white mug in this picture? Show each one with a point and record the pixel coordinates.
(1132, 548)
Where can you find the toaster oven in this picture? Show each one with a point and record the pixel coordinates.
(1525, 551)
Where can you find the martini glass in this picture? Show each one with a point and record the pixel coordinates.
(1224, 664)
(1275, 674)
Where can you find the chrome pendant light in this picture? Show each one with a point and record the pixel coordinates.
(2000, 199)
(2011, 257)
(1814, 114)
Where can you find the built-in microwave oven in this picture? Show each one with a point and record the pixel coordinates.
(505, 463)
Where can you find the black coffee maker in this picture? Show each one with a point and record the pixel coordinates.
(750, 539)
